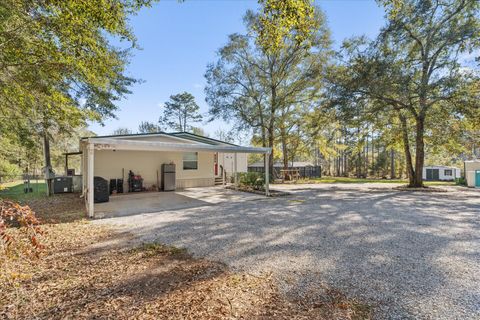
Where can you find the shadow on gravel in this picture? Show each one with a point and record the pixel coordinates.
(412, 254)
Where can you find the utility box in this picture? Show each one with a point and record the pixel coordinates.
(77, 183)
(168, 177)
(62, 185)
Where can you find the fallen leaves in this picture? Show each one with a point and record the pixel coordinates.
(90, 271)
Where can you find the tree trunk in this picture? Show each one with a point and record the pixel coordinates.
(48, 162)
(392, 164)
(419, 152)
(283, 136)
(408, 154)
(271, 141)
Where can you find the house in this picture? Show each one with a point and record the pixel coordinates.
(305, 169)
(199, 161)
(440, 173)
(472, 173)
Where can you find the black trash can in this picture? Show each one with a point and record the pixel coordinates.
(101, 191)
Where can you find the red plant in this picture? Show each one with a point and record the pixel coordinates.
(14, 214)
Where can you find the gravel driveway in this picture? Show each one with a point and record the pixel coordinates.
(410, 255)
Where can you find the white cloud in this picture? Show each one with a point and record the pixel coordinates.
(161, 104)
(197, 85)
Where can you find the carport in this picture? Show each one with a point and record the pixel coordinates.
(89, 146)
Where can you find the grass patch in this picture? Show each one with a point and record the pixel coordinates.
(15, 190)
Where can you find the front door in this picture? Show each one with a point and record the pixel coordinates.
(477, 178)
(215, 163)
(433, 174)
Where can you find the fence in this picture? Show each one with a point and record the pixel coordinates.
(305, 172)
(11, 185)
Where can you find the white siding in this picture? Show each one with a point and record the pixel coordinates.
(227, 161)
(441, 173)
(470, 171)
(109, 165)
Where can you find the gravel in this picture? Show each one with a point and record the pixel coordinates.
(412, 255)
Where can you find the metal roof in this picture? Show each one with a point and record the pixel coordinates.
(179, 134)
(123, 144)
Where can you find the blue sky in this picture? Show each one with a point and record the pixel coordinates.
(178, 40)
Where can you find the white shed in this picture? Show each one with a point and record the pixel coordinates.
(472, 173)
(440, 173)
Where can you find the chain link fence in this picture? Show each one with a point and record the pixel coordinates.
(13, 185)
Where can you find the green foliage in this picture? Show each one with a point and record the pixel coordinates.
(413, 72)
(254, 180)
(9, 171)
(268, 92)
(180, 111)
(148, 127)
(58, 67)
(461, 181)
(121, 131)
(282, 21)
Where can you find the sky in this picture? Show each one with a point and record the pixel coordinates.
(179, 39)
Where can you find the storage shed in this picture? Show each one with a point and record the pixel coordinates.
(440, 173)
(472, 173)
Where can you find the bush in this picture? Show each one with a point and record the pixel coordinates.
(8, 171)
(255, 180)
(14, 215)
(461, 181)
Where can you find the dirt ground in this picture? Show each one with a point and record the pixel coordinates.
(91, 271)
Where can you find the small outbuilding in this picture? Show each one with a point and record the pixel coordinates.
(440, 173)
(472, 173)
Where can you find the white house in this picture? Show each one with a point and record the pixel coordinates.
(440, 173)
(199, 161)
(472, 173)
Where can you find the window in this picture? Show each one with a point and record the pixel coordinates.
(448, 172)
(190, 161)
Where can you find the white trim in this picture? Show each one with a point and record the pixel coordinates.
(117, 144)
(128, 137)
(90, 190)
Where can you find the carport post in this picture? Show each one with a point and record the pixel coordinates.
(90, 190)
(267, 174)
(235, 179)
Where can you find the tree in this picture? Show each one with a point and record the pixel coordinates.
(283, 21)
(414, 69)
(258, 89)
(58, 68)
(180, 111)
(148, 127)
(121, 131)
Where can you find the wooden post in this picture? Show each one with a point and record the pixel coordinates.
(267, 174)
(90, 190)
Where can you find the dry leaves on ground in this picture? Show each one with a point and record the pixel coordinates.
(74, 280)
(89, 271)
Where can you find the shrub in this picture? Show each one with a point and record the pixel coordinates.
(9, 171)
(461, 181)
(255, 180)
(14, 215)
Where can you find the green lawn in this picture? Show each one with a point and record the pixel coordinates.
(15, 190)
(368, 180)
